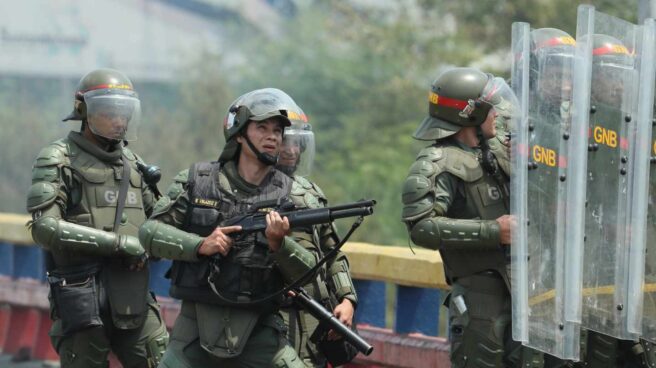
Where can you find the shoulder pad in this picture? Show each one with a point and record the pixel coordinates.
(457, 162)
(500, 151)
(305, 185)
(300, 185)
(413, 211)
(303, 195)
(173, 192)
(182, 177)
(319, 192)
(177, 187)
(52, 155)
(41, 195)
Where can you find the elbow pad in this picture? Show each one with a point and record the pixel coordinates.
(59, 235)
(293, 259)
(443, 233)
(165, 241)
(341, 279)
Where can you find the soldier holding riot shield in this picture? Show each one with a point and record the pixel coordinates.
(456, 200)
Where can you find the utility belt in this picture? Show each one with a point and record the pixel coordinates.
(235, 281)
(486, 281)
(82, 294)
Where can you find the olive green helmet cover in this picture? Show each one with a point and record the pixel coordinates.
(455, 101)
(98, 79)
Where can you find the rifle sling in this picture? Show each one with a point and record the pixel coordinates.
(122, 193)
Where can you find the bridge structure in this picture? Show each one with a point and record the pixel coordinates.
(399, 289)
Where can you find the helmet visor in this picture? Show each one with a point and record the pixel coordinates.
(552, 80)
(297, 151)
(113, 114)
(498, 94)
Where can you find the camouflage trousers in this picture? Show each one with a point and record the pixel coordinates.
(266, 346)
(300, 326)
(141, 347)
(480, 325)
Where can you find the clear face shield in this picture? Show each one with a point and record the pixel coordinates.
(609, 80)
(297, 152)
(552, 78)
(113, 114)
(498, 94)
(259, 105)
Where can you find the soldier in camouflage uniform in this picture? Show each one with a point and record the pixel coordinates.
(333, 286)
(97, 269)
(212, 328)
(456, 200)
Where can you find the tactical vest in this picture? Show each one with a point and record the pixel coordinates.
(479, 197)
(92, 202)
(247, 272)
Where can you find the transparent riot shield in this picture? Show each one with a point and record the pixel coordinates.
(518, 182)
(644, 213)
(616, 51)
(541, 77)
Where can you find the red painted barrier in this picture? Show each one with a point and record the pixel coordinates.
(43, 349)
(5, 317)
(403, 351)
(23, 329)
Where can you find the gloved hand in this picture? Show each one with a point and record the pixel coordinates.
(135, 255)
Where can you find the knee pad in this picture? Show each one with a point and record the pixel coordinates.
(155, 349)
(287, 358)
(602, 351)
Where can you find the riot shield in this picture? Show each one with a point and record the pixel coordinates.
(616, 51)
(644, 213)
(541, 77)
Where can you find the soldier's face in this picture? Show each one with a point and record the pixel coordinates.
(109, 124)
(290, 152)
(265, 135)
(556, 84)
(489, 125)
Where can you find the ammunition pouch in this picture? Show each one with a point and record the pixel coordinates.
(76, 296)
(224, 331)
(129, 305)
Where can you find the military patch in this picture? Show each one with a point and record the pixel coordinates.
(489, 194)
(206, 202)
(108, 196)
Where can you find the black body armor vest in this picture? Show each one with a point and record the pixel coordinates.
(247, 272)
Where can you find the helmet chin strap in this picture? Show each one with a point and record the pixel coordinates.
(487, 159)
(263, 157)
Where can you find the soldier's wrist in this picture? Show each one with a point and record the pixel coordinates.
(351, 298)
(493, 232)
